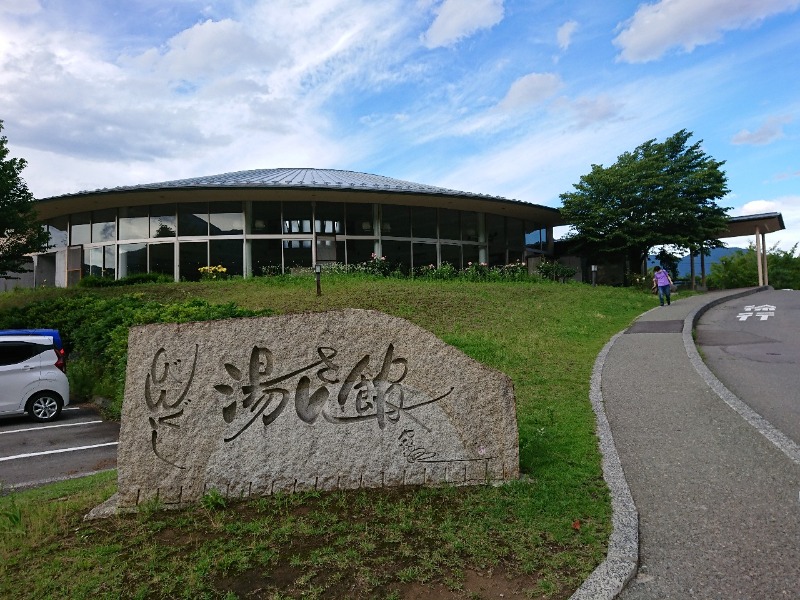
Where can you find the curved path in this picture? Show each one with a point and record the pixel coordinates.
(715, 489)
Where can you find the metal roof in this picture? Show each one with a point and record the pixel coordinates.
(293, 184)
(294, 178)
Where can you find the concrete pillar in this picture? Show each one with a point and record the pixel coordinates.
(759, 259)
(764, 253)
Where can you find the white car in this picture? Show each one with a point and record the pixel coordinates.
(32, 374)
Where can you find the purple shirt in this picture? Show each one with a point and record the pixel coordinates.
(661, 277)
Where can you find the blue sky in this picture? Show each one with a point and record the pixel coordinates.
(514, 98)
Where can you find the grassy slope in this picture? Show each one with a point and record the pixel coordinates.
(545, 336)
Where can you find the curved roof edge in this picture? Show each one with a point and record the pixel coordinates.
(293, 178)
(297, 180)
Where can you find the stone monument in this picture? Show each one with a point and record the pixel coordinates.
(314, 401)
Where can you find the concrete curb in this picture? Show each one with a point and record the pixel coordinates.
(621, 562)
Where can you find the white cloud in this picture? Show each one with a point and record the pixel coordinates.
(564, 34)
(210, 49)
(530, 90)
(457, 19)
(771, 130)
(198, 95)
(666, 24)
(787, 175)
(757, 207)
(20, 7)
(597, 110)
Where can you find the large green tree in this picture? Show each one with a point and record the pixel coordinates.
(20, 232)
(658, 194)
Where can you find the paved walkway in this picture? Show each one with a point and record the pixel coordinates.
(718, 503)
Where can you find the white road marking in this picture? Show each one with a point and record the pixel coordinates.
(32, 454)
(51, 427)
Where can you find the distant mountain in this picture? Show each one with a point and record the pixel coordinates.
(685, 267)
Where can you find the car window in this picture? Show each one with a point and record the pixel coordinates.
(12, 353)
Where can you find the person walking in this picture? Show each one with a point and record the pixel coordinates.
(663, 282)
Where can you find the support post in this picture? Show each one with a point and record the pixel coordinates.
(765, 254)
(759, 259)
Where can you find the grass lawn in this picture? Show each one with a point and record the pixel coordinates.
(536, 538)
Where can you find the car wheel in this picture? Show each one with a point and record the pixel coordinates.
(45, 406)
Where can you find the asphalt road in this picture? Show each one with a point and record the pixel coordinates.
(752, 345)
(78, 443)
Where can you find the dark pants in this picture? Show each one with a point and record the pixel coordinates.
(663, 292)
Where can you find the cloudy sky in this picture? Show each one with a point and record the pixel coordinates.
(515, 98)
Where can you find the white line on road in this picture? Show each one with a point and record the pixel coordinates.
(50, 427)
(32, 454)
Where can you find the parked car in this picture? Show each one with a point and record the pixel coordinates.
(33, 376)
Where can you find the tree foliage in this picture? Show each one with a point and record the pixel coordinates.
(740, 269)
(20, 232)
(660, 193)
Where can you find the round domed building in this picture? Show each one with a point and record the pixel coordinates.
(269, 221)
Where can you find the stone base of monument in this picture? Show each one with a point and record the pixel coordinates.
(317, 401)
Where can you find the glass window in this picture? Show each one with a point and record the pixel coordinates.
(495, 230)
(359, 251)
(451, 254)
(192, 220)
(162, 258)
(423, 222)
(193, 255)
(93, 261)
(297, 217)
(424, 255)
(58, 232)
(266, 218)
(132, 259)
(535, 236)
(515, 233)
(266, 257)
(162, 221)
(329, 250)
(360, 219)
(226, 218)
(496, 234)
(471, 254)
(110, 261)
(469, 227)
(449, 224)
(134, 223)
(398, 254)
(296, 253)
(229, 254)
(80, 229)
(395, 220)
(13, 352)
(104, 225)
(328, 217)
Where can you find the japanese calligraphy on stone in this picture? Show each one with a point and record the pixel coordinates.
(336, 400)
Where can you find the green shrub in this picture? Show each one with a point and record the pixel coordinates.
(740, 269)
(552, 269)
(95, 330)
(93, 281)
(146, 278)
